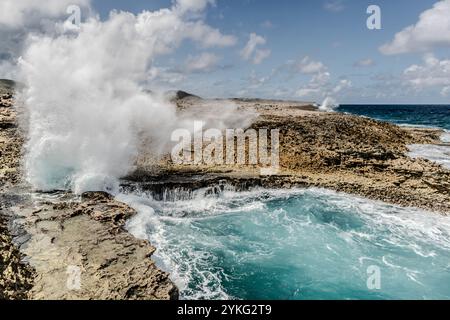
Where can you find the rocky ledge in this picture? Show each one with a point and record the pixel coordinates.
(342, 152)
(58, 246)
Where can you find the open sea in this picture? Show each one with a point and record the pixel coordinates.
(301, 243)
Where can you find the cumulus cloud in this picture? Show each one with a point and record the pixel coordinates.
(20, 18)
(320, 85)
(252, 52)
(342, 85)
(433, 73)
(184, 6)
(320, 76)
(207, 36)
(261, 55)
(308, 66)
(267, 24)
(334, 5)
(15, 14)
(204, 62)
(364, 63)
(432, 30)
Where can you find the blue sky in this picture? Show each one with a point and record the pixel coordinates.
(311, 49)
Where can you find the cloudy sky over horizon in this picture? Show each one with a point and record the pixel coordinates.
(305, 50)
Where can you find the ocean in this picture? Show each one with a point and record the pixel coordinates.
(434, 116)
(427, 116)
(295, 244)
(300, 244)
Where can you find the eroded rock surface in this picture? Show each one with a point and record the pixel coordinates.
(58, 246)
(16, 277)
(79, 250)
(342, 152)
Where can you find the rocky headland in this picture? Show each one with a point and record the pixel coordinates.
(45, 236)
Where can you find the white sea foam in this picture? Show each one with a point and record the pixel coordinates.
(329, 105)
(436, 153)
(87, 108)
(446, 136)
(202, 236)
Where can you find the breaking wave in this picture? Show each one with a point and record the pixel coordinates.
(294, 244)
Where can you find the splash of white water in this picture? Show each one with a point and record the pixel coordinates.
(328, 105)
(87, 109)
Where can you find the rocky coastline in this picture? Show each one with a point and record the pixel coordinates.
(345, 153)
(41, 236)
(44, 239)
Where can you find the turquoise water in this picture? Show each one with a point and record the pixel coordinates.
(297, 244)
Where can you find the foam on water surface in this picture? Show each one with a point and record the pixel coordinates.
(294, 244)
(436, 153)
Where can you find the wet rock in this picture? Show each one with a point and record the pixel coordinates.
(46, 244)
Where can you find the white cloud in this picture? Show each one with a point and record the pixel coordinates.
(192, 5)
(342, 85)
(206, 35)
(251, 51)
(15, 14)
(306, 92)
(205, 62)
(320, 84)
(256, 81)
(334, 5)
(432, 30)
(433, 73)
(364, 63)
(320, 77)
(309, 66)
(267, 24)
(261, 55)
(251, 45)
(161, 76)
(19, 18)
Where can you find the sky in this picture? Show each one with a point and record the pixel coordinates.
(303, 50)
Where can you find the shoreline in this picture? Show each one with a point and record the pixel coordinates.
(324, 150)
(48, 238)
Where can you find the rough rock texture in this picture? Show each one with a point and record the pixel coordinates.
(342, 152)
(80, 251)
(16, 277)
(58, 246)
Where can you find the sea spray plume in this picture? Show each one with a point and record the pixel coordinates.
(328, 105)
(85, 102)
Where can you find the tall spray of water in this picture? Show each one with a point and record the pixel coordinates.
(86, 106)
(328, 105)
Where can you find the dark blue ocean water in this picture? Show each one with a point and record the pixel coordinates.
(423, 115)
